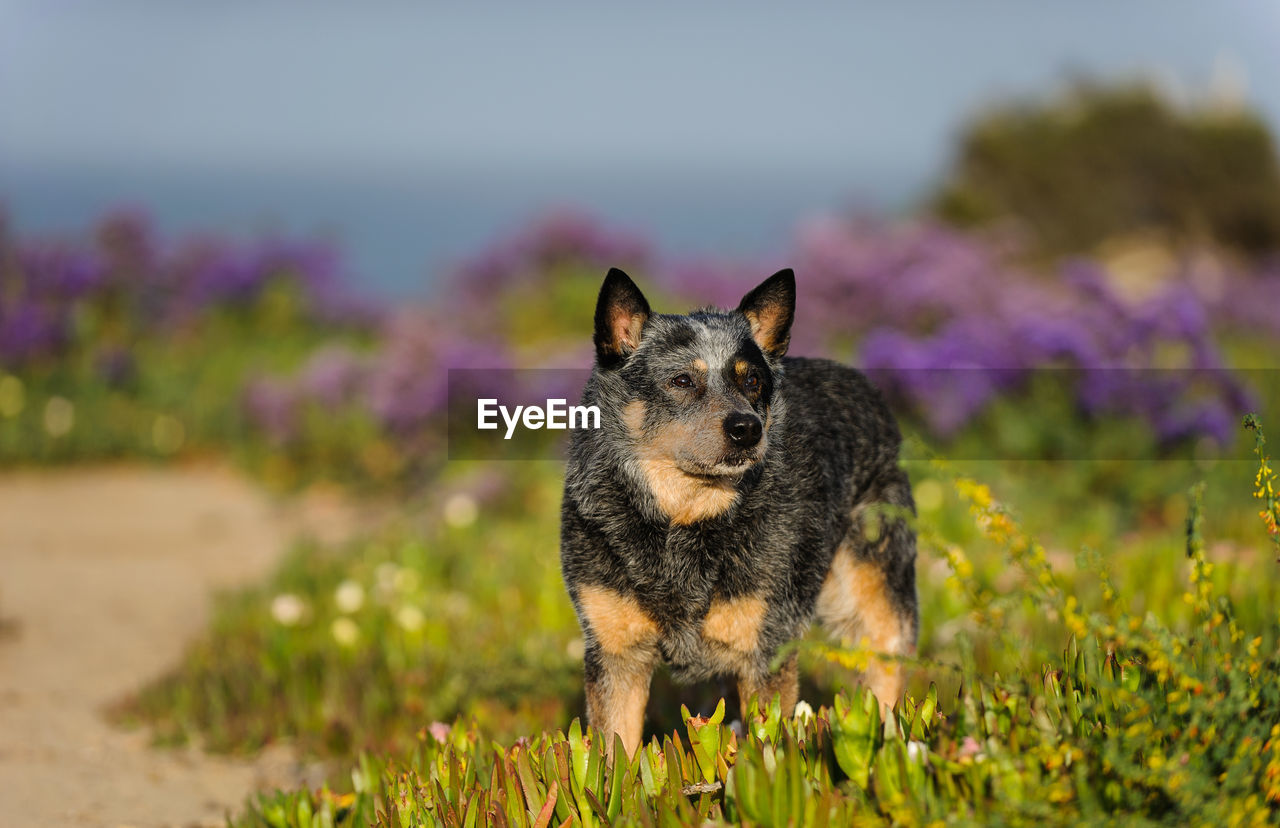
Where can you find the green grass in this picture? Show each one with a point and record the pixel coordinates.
(182, 393)
(494, 645)
(1134, 717)
(363, 644)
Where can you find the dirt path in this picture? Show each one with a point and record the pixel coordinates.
(107, 574)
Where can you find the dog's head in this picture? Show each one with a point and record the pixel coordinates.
(697, 393)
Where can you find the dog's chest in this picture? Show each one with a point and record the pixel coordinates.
(691, 564)
(718, 638)
(709, 593)
(713, 607)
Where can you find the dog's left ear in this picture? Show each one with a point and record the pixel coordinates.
(770, 309)
(621, 312)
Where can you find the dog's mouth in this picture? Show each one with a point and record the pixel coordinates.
(733, 464)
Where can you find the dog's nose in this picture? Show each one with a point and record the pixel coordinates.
(743, 429)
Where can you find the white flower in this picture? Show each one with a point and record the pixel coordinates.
(410, 617)
(456, 604)
(461, 510)
(345, 631)
(287, 609)
(385, 577)
(59, 416)
(167, 433)
(349, 596)
(803, 711)
(406, 580)
(917, 751)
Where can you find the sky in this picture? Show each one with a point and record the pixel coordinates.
(398, 85)
(524, 101)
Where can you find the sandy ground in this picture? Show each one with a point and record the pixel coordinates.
(105, 574)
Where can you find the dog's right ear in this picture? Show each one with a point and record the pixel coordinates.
(621, 312)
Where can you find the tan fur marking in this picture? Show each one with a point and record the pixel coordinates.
(854, 604)
(684, 498)
(700, 365)
(616, 621)
(740, 369)
(616, 701)
(735, 623)
(765, 326)
(633, 417)
(627, 328)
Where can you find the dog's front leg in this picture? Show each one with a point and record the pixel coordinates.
(617, 687)
(621, 652)
(784, 682)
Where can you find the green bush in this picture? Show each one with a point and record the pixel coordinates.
(1103, 162)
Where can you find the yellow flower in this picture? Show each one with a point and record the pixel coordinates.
(12, 396)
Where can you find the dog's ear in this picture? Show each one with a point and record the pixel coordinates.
(621, 312)
(770, 309)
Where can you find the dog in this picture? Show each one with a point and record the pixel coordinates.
(730, 496)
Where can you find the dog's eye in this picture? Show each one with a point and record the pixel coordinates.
(683, 381)
(752, 382)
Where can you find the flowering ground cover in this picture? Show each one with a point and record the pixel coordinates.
(1135, 719)
(167, 347)
(126, 344)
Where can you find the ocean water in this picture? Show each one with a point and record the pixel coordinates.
(400, 231)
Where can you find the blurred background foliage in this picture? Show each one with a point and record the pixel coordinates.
(1101, 163)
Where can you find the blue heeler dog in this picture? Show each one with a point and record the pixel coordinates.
(730, 496)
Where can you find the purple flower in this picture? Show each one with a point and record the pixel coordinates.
(57, 271)
(563, 237)
(125, 239)
(334, 375)
(115, 366)
(273, 406)
(29, 332)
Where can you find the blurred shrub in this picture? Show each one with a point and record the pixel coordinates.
(1110, 161)
(953, 330)
(379, 415)
(131, 345)
(126, 344)
(965, 341)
